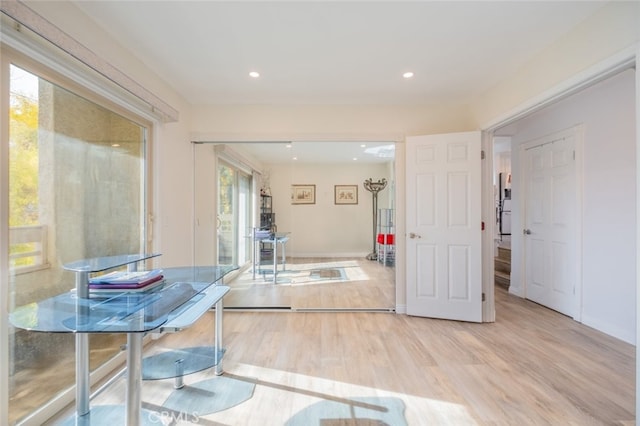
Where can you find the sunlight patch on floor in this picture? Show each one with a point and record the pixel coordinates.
(297, 398)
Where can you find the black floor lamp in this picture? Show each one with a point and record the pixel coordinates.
(374, 188)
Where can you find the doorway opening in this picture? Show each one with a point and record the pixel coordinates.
(502, 199)
(318, 201)
(601, 121)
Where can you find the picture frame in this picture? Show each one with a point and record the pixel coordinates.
(346, 194)
(303, 194)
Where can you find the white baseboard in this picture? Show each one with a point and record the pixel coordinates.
(332, 254)
(516, 291)
(627, 335)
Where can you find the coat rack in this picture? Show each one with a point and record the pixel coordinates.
(374, 188)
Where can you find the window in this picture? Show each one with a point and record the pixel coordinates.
(28, 238)
(77, 179)
(234, 215)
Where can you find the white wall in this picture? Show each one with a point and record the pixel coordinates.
(324, 228)
(326, 122)
(607, 112)
(614, 29)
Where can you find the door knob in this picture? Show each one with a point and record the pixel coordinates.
(526, 231)
(414, 235)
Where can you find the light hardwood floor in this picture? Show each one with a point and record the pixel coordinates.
(532, 366)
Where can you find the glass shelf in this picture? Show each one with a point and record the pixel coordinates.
(126, 311)
(99, 264)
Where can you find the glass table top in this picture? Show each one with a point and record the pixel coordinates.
(125, 311)
(279, 237)
(99, 264)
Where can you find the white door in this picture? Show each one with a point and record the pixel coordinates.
(444, 255)
(549, 221)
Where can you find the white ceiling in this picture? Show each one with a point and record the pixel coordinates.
(336, 52)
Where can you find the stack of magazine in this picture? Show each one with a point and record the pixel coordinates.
(119, 281)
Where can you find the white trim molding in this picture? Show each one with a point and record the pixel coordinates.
(609, 67)
(637, 228)
(28, 18)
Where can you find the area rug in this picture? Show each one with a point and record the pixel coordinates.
(210, 396)
(294, 275)
(317, 275)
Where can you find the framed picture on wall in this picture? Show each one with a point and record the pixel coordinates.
(346, 194)
(303, 194)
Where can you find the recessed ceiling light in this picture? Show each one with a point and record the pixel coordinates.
(363, 146)
(254, 74)
(288, 145)
(407, 74)
(355, 158)
(295, 158)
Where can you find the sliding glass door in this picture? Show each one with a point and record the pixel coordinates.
(77, 179)
(234, 215)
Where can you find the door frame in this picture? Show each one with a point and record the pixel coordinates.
(577, 132)
(225, 143)
(600, 71)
